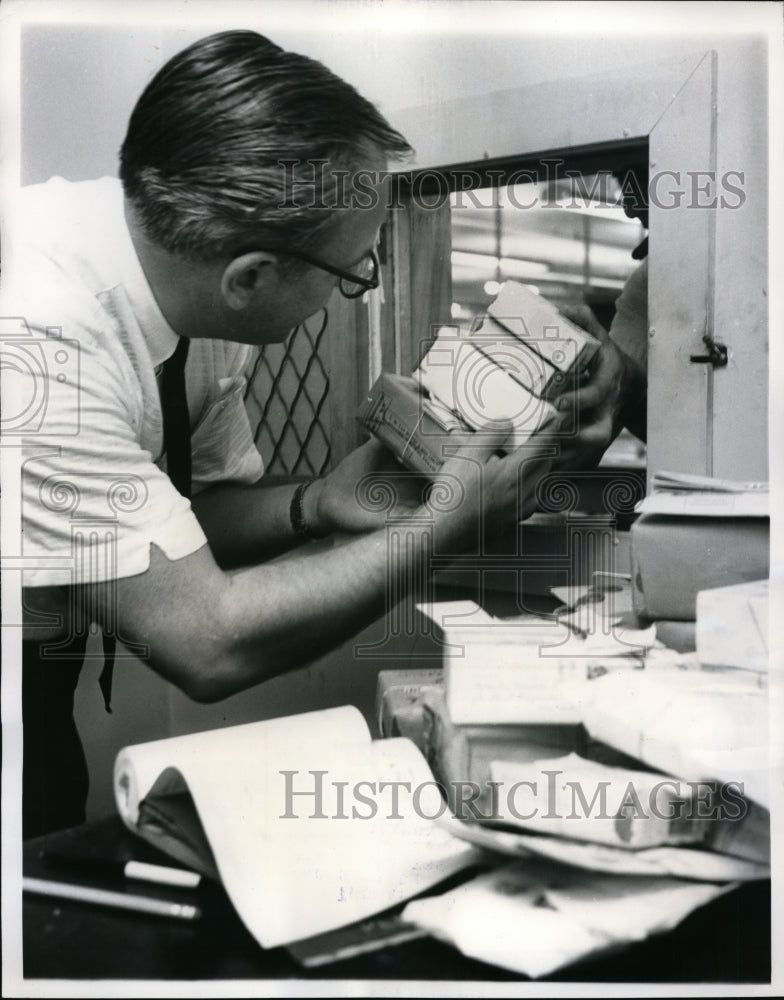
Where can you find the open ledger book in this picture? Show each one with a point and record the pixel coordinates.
(309, 824)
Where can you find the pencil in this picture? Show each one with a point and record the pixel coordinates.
(117, 900)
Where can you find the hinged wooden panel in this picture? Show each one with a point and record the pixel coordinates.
(741, 322)
(347, 363)
(681, 272)
(420, 259)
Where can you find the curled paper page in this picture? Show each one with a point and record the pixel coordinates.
(312, 825)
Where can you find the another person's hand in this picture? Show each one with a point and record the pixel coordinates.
(597, 402)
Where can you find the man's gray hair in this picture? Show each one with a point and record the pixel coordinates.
(236, 143)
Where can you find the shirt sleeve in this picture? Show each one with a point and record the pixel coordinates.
(93, 500)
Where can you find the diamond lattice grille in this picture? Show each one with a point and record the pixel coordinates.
(287, 402)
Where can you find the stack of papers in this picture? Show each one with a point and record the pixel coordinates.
(677, 481)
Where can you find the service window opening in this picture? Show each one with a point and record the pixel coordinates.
(569, 239)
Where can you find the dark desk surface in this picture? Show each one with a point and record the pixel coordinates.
(727, 941)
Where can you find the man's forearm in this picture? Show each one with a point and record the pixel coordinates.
(220, 633)
(214, 633)
(247, 524)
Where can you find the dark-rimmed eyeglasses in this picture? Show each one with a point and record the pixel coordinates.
(351, 285)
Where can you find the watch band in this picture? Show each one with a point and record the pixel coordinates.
(299, 522)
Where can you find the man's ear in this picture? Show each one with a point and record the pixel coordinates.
(245, 276)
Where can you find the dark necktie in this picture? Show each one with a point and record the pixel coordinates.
(177, 445)
(176, 422)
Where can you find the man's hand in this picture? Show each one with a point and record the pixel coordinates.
(480, 493)
(361, 492)
(598, 401)
(475, 485)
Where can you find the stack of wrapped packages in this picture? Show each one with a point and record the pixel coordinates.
(629, 781)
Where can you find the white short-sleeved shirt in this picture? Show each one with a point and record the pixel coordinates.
(87, 339)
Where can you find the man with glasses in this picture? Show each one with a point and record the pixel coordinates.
(220, 236)
(352, 285)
